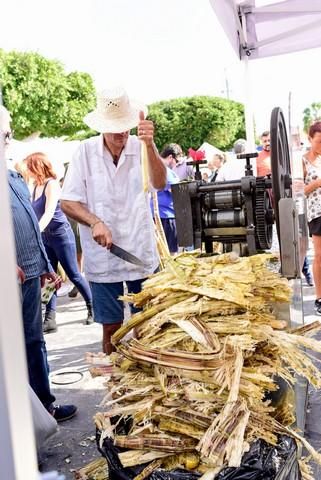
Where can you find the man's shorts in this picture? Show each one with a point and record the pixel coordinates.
(108, 309)
(315, 227)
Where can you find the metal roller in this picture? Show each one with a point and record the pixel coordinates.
(223, 199)
(224, 218)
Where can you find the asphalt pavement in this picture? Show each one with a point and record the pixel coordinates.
(74, 444)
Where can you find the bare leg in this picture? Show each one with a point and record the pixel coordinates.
(317, 264)
(108, 331)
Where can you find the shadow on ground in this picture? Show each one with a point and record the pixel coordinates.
(75, 356)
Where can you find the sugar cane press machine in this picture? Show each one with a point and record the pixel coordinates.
(237, 211)
(244, 211)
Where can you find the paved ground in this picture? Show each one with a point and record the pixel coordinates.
(74, 444)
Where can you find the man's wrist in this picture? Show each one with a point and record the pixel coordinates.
(92, 225)
(49, 269)
(151, 145)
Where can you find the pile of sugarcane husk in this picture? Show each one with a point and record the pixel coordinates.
(100, 364)
(206, 351)
(95, 470)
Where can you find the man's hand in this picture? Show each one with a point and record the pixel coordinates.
(145, 129)
(21, 275)
(52, 277)
(102, 235)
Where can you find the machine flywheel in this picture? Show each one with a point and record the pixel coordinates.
(280, 162)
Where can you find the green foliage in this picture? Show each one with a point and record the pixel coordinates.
(311, 114)
(83, 134)
(193, 120)
(42, 97)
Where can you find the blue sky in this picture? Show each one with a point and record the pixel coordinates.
(157, 49)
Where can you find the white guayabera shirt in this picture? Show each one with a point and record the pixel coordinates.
(115, 195)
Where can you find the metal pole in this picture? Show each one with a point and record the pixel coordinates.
(227, 86)
(18, 458)
(249, 123)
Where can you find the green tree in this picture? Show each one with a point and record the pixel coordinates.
(311, 114)
(41, 97)
(192, 120)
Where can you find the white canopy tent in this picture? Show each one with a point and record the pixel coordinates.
(59, 152)
(271, 28)
(258, 29)
(209, 150)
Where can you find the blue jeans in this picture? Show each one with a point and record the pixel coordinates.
(60, 246)
(37, 362)
(169, 227)
(306, 267)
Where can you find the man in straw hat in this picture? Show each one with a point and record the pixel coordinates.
(103, 191)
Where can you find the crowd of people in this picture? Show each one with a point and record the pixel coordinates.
(103, 196)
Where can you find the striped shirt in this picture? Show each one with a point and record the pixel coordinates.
(30, 251)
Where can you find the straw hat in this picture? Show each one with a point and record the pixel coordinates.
(115, 112)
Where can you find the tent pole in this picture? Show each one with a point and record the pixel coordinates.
(17, 448)
(248, 105)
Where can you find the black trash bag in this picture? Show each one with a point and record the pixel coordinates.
(265, 462)
(261, 462)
